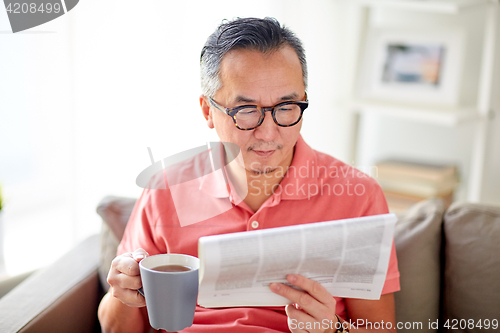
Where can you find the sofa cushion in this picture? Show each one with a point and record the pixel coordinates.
(472, 269)
(115, 213)
(418, 245)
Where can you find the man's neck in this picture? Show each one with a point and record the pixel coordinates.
(260, 188)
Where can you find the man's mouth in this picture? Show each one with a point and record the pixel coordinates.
(264, 153)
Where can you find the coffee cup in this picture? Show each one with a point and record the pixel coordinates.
(170, 286)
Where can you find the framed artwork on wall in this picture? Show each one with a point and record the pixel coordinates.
(421, 67)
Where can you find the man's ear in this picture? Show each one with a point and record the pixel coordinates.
(205, 109)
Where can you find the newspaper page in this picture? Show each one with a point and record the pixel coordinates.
(348, 257)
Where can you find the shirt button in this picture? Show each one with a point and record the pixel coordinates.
(255, 224)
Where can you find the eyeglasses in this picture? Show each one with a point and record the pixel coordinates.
(249, 117)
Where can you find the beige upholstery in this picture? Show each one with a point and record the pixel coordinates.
(472, 268)
(115, 212)
(418, 246)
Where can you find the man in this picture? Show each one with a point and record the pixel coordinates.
(249, 67)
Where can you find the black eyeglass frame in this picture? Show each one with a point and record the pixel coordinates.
(233, 111)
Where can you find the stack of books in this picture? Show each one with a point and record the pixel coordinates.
(406, 183)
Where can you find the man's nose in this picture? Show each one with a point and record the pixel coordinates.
(268, 130)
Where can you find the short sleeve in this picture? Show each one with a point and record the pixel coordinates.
(139, 230)
(376, 204)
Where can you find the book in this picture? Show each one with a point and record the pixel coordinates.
(416, 171)
(348, 257)
(419, 180)
(399, 202)
(420, 189)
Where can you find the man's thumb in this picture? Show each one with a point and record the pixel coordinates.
(139, 254)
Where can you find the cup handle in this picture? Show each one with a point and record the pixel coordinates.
(141, 291)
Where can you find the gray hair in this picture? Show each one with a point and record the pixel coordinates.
(264, 35)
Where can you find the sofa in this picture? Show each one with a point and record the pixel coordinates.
(449, 261)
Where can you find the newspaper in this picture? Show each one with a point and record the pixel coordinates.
(348, 257)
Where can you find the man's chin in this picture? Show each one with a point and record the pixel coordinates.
(258, 169)
(263, 171)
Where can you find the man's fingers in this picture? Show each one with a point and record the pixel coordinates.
(312, 287)
(124, 278)
(129, 297)
(128, 282)
(321, 306)
(139, 254)
(297, 317)
(126, 264)
(294, 295)
(299, 321)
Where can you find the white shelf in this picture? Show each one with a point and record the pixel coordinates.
(438, 115)
(436, 6)
(478, 114)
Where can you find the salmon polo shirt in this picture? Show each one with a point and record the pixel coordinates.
(316, 187)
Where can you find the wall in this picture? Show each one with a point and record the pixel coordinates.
(35, 144)
(491, 189)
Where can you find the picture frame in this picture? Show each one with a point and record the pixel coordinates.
(417, 67)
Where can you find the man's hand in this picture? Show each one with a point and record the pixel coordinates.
(124, 278)
(313, 310)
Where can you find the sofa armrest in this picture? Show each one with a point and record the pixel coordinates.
(9, 283)
(60, 298)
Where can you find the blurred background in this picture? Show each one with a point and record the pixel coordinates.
(83, 96)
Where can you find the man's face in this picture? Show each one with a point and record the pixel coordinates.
(251, 77)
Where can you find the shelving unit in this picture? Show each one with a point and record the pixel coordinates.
(479, 113)
(438, 115)
(434, 6)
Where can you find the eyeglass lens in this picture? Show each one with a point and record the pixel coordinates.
(284, 114)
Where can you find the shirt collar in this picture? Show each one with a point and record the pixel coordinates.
(301, 178)
(214, 182)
